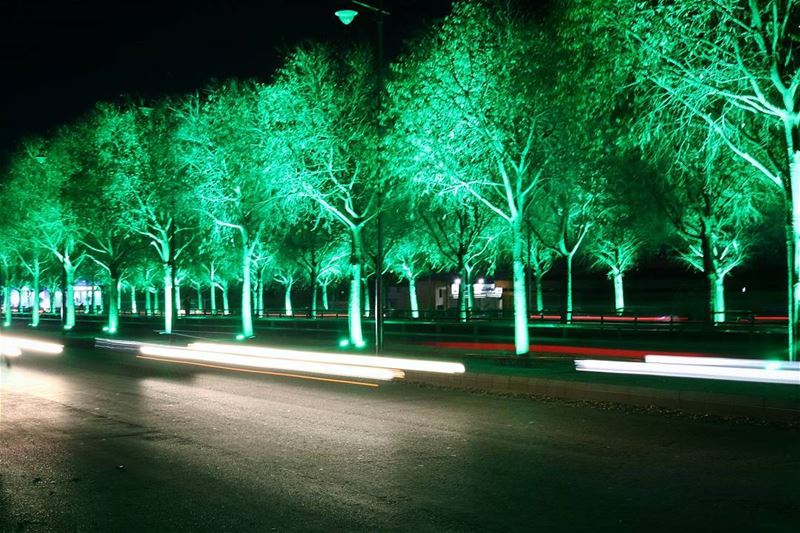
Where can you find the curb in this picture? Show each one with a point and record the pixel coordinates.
(704, 403)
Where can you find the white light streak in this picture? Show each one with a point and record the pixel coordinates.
(9, 350)
(791, 377)
(722, 361)
(333, 358)
(30, 345)
(381, 374)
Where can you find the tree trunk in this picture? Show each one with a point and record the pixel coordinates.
(568, 290)
(119, 295)
(213, 289)
(412, 297)
(719, 299)
(7, 303)
(199, 289)
(52, 291)
(287, 299)
(134, 309)
(69, 296)
(793, 252)
(313, 301)
(709, 268)
(619, 293)
(36, 302)
(366, 298)
(313, 280)
(168, 298)
(539, 293)
(521, 333)
(324, 290)
(462, 294)
(354, 302)
(113, 303)
(148, 306)
(247, 309)
(178, 303)
(468, 290)
(156, 303)
(226, 308)
(261, 296)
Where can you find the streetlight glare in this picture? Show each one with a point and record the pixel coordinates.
(346, 15)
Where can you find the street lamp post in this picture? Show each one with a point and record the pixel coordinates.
(346, 16)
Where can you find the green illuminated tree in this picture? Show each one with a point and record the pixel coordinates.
(333, 267)
(473, 99)
(147, 187)
(566, 212)
(711, 201)
(51, 169)
(409, 259)
(732, 65)
(242, 173)
(624, 220)
(310, 244)
(539, 258)
(329, 119)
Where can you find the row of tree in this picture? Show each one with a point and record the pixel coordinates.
(651, 125)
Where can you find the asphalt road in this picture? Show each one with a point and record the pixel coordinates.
(112, 444)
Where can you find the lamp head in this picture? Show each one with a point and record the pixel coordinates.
(346, 15)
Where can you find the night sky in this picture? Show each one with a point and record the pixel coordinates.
(60, 56)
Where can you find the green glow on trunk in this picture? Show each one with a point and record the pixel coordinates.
(287, 299)
(36, 296)
(168, 300)
(366, 300)
(539, 295)
(247, 306)
(69, 297)
(133, 300)
(178, 305)
(568, 290)
(521, 333)
(7, 305)
(719, 299)
(260, 298)
(213, 290)
(619, 294)
(113, 306)
(412, 297)
(354, 307)
(199, 298)
(226, 308)
(313, 300)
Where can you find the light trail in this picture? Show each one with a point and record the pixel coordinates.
(30, 345)
(363, 372)
(789, 377)
(333, 358)
(722, 361)
(9, 350)
(252, 371)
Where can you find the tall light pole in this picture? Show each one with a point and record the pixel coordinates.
(346, 16)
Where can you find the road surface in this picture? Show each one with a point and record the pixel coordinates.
(92, 442)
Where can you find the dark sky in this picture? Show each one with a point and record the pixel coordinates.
(58, 57)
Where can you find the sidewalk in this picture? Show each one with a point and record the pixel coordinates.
(553, 375)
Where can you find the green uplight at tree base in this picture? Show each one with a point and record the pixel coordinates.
(344, 343)
(240, 337)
